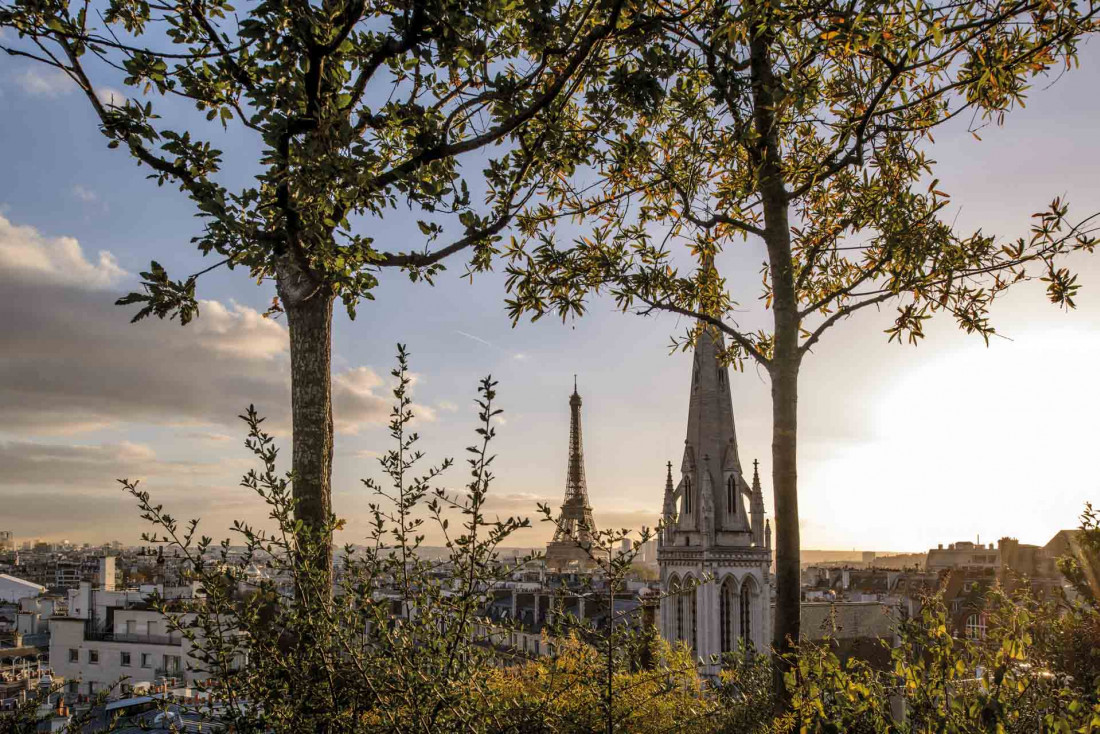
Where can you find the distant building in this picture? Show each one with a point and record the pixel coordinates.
(13, 589)
(109, 634)
(962, 554)
(7, 540)
(707, 530)
(575, 526)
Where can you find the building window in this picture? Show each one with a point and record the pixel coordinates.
(721, 376)
(746, 613)
(693, 616)
(725, 613)
(731, 498)
(678, 609)
(93, 657)
(124, 659)
(146, 660)
(975, 627)
(687, 496)
(74, 655)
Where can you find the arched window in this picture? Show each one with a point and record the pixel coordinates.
(975, 627)
(731, 496)
(687, 496)
(677, 608)
(746, 612)
(693, 617)
(726, 600)
(721, 376)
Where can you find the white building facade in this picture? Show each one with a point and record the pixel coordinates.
(13, 589)
(714, 558)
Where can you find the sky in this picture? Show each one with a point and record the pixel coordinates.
(900, 448)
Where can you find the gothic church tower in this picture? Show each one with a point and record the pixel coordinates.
(707, 530)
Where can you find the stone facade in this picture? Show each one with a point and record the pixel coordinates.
(714, 558)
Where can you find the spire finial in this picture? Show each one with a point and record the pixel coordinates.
(574, 382)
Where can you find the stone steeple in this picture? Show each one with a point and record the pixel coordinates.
(575, 524)
(711, 468)
(712, 535)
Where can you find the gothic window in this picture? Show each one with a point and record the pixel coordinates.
(687, 496)
(695, 379)
(746, 612)
(693, 618)
(731, 497)
(975, 627)
(678, 609)
(725, 613)
(721, 376)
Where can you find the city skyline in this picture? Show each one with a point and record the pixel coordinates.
(888, 459)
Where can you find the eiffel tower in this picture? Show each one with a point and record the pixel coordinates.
(575, 525)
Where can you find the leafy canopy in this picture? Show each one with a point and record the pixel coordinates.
(808, 125)
(356, 108)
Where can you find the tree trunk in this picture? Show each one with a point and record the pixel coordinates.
(785, 355)
(788, 603)
(308, 311)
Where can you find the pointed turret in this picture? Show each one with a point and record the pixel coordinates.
(768, 534)
(756, 505)
(575, 524)
(668, 509)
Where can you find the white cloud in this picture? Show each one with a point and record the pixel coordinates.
(209, 436)
(239, 331)
(84, 194)
(110, 97)
(71, 361)
(447, 406)
(44, 82)
(27, 253)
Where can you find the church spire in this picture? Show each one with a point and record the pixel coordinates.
(575, 524)
(711, 432)
(756, 506)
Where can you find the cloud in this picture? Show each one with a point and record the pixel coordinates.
(447, 406)
(71, 361)
(209, 436)
(110, 97)
(84, 194)
(27, 254)
(74, 466)
(44, 82)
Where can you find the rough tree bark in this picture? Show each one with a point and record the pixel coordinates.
(308, 309)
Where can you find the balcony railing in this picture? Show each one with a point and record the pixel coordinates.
(112, 636)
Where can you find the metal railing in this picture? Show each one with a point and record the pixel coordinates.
(112, 636)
